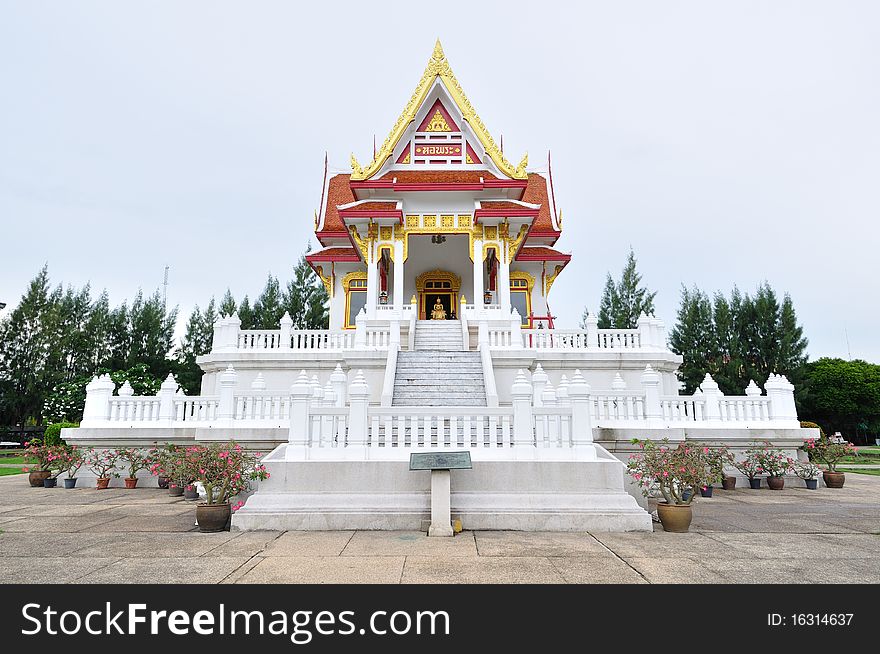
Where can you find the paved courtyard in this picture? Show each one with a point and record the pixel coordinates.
(143, 535)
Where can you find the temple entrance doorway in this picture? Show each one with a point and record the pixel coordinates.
(438, 295)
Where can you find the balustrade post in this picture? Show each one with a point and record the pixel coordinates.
(259, 383)
(360, 331)
(651, 385)
(166, 398)
(581, 425)
(97, 407)
(226, 405)
(516, 338)
(712, 397)
(644, 326)
(781, 394)
(219, 334)
(359, 394)
(338, 379)
(521, 393)
(286, 327)
(300, 396)
(591, 324)
(482, 333)
(395, 333)
(539, 381)
(231, 332)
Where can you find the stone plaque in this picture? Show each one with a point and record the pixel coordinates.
(440, 461)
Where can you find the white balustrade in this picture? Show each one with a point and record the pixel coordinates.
(617, 406)
(440, 427)
(682, 408)
(745, 409)
(579, 339)
(263, 405)
(134, 408)
(196, 409)
(259, 339)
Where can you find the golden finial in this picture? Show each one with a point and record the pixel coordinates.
(438, 54)
(356, 169)
(521, 168)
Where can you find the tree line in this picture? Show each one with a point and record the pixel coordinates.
(56, 339)
(741, 336)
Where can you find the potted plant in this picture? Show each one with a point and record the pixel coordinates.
(190, 492)
(830, 453)
(749, 467)
(774, 463)
(102, 463)
(809, 472)
(224, 471)
(73, 458)
(134, 459)
(673, 473)
(716, 459)
(159, 458)
(56, 463)
(39, 455)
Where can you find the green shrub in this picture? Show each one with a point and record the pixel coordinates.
(52, 436)
(806, 424)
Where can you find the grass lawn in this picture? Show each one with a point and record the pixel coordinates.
(862, 471)
(10, 471)
(14, 459)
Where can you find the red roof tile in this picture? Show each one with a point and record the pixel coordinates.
(375, 206)
(541, 253)
(495, 204)
(339, 192)
(536, 193)
(334, 254)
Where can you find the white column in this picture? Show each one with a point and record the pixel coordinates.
(372, 282)
(338, 379)
(300, 396)
(286, 328)
(166, 398)
(502, 282)
(359, 395)
(581, 425)
(398, 276)
(521, 393)
(592, 326)
(781, 394)
(712, 395)
(478, 273)
(651, 384)
(646, 331)
(97, 407)
(226, 408)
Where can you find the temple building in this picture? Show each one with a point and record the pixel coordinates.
(439, 217)
(439, 257)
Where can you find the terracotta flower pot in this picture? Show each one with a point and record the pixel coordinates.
(833, 479)
(728, 483)
(213, 517)
(102, 482)
(36, 478)
(163, 482)
(131, 482)
(675, 517)
(775, 483)
(175, 491)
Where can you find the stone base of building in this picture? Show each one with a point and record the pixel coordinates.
(523, 495)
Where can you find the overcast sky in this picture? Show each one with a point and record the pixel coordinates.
(726, 142)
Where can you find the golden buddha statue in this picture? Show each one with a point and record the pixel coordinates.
(439, 313)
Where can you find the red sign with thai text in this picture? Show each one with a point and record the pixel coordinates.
(437, 150)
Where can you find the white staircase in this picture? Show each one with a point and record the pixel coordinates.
(439, 372)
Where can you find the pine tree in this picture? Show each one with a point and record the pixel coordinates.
(227, 304)
(693, 337)
(269, 307)
(622, 303)
(306, 299)
(246, 314)
(151, 328)
(195, 342)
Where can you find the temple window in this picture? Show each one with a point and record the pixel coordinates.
(521, 294)
(355, 285)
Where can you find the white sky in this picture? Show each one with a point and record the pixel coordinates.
(726, 142)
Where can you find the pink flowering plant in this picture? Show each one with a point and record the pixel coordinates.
(102, 463)
(716, 459)
(133, 458)
(674, 472)
(37, 453)
(806, 470)
(749, 465)
(771, 460)
(72, 459)
(225, 470)
(828, 452)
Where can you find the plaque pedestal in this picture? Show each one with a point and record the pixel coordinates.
(441, 504)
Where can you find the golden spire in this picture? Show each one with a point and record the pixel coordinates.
(438, 66)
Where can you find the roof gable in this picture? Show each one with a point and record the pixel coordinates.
(438, 69)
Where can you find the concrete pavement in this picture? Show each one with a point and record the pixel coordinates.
(88, 536)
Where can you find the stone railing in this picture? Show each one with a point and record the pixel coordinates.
(338, 414)
(650, 334)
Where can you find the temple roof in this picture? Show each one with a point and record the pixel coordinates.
(438, 68)
(541, 253)
(536, 193)
(334, 254)
(338, 193)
